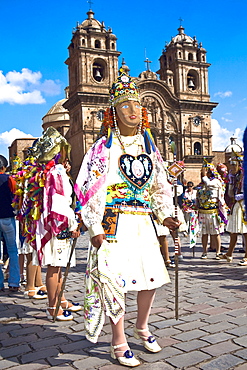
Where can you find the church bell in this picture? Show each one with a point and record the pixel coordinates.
(191, 84)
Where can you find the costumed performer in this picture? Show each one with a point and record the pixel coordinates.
(48, 219)
(190, 212)
(237, 223)
(120, 183)
(212, 207)
(34, 287)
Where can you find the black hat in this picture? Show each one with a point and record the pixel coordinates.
(3, 161)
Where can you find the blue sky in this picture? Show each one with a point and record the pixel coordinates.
(34, 37)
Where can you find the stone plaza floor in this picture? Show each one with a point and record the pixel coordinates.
(210, 333)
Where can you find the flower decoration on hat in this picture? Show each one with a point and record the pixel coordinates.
(124, 88)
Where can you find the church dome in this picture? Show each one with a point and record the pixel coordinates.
(233, 147)
(56, 116)
(91, 23)
(181, 38)
(57, 108)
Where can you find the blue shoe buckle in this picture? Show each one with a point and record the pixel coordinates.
(151, 339)
(128, 354)
(66, 313)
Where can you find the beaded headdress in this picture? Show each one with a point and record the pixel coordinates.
(208, 165)
(124, 88)
(16, 163)
(236, 157)
(212, 168)
(48, 145)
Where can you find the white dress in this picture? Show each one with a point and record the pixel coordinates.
(210, 223)
(136, 250)
(56, 252)
(236, 223)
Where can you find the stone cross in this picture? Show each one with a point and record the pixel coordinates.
(90, 3)
(148, 63)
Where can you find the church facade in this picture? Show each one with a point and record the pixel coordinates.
(176, 97)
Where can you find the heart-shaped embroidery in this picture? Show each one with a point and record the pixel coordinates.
(137, 170)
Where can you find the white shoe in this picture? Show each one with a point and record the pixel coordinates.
(65, 316)
(128, 358)
(40, 294)
(243, 262)
(74, 308)
(223, 256)
(149, 343)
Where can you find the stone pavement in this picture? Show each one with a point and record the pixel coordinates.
(210, 334)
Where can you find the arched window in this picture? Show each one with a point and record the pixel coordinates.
(112, 46)
(190, 56)
(197, 148)
(99, 70)
(192, 79)
(180, 55)
(97, 44)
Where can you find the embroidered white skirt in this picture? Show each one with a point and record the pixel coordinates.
(209, 224)
(56, 253)
(136, 254)
(235, 220)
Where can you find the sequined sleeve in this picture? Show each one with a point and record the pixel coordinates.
(161, 193)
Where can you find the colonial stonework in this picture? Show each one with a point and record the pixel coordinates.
(177, 101)
(58, 117)
(176, 97)
(93, 66)
(19, 147)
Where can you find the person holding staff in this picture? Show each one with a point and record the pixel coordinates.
(120, 183)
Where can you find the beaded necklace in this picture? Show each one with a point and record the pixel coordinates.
(118, 134)
(136, 171)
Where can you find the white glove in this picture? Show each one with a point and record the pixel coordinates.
(239, 197)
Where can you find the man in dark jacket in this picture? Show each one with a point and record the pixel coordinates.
(7, 227)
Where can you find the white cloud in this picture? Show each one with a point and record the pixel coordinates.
(50, 87)
(226, 119)
(26, 87)
(7, 137)
(223, 95)
(221, 136)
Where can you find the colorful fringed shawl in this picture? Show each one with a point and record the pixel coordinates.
(38, 199)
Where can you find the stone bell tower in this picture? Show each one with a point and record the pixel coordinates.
(93, 66)
(184, 68)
